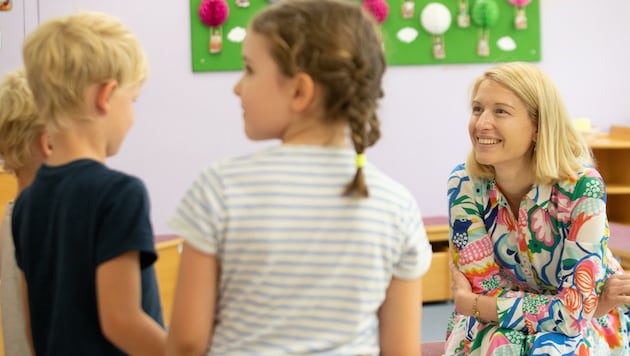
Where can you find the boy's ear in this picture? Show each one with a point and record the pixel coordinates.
(104, 92)
(303, 92)
(45, 145)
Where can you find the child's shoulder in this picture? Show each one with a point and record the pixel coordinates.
(90, 175)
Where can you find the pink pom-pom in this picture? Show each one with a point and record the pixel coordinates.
(520, 3)
(378, 8)
(213, 13)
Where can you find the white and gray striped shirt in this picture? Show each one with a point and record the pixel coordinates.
(304, 269)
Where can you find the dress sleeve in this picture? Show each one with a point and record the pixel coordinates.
(470, 243)
(581, 269)
(200, 215)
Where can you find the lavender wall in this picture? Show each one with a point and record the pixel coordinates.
(186, 120)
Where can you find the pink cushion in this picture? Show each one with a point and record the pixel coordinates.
(433, 348)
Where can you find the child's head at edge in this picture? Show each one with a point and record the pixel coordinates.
(338, 45)
(67, 55)
(21, 130)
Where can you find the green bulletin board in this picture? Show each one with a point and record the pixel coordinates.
(460, 43)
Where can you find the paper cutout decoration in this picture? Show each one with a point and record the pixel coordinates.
(213, 14)
(506, 44)
(5, 5)
(378, 8)
(408, 9)
(485, 14)
(520, 17)
(463, 17)
(241, 3)
(436, 20)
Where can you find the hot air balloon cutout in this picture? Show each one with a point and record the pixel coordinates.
(463, 17)
(520, 16)
(436, 20)
(485, 14)
(213, 14)
(378, 8)
(408, 9)
(241, 3)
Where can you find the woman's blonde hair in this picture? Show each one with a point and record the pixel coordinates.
(560, 150)
(19, 123)
(66, 55)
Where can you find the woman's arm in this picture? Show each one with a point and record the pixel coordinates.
(192, 321)
(564, 310)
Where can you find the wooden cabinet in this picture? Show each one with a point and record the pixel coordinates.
(8, 189)
(168, 248)
(612, 157)
(436, 283)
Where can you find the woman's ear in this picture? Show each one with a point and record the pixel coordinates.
(104, 92)
(303, 92)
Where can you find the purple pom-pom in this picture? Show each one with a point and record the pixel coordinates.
(213, 13)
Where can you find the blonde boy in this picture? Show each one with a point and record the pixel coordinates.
(82, 233)
(22, 148)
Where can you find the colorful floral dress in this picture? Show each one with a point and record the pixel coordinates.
(547, 268)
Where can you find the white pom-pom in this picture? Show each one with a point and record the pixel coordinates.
(435, 18)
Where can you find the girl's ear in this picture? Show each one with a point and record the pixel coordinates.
(104, 92)
(303, 92)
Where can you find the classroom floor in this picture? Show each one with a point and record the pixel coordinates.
(434, 320)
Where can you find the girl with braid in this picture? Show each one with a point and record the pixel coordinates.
(302, 248)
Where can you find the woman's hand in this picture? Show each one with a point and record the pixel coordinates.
(615, 294)
(459, 282)
(460, 288)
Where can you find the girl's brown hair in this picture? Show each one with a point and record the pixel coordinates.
(338, 44)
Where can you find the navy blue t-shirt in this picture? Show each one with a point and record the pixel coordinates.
(70, 220)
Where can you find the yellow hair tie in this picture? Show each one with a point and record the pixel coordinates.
(360, 160)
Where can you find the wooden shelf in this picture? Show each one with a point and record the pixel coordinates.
(436, 283)
(617, 189)
(612, 157)
(608, 143)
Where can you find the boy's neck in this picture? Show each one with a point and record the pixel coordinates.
(25, 176)
(82, 141)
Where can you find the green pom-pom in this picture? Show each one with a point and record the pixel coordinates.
(485, 13)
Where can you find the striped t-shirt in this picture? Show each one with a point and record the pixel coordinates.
(304, 269)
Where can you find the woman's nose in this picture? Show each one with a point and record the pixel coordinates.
(484, 120)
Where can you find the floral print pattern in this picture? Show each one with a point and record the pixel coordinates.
(546, 267)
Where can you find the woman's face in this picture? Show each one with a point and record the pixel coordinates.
(502, 133)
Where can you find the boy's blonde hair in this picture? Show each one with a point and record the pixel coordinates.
(66, 55)
(560, 150)
(19, 123)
